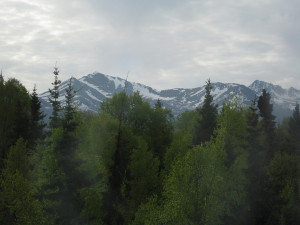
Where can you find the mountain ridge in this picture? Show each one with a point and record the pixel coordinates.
(96, 87)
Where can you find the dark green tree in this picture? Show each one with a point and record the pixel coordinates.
(268, 123)
(283, 190)
(18, 204)
(53, 99)
(114, 198)
(14, 114)
(69, 122)
(208, 112)
(265, 111)
(37, 124)
(256, 171)
(294, 130)
(158, 104)
(1, 79)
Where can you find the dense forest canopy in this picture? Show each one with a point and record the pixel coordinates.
(131, 163)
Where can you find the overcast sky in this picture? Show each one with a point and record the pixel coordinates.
(163, 43)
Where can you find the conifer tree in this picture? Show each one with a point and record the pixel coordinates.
(37, 123)
(73, 180)
(256, 173)
(53, 99)
(1, 79)
(209, 112)
(265, 111)
(14, 114)
(114, 197)
(268, 123)
(294, 130)
(158, 104)
(69, 110)
(22, 121)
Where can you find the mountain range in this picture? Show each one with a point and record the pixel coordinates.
(96, 87)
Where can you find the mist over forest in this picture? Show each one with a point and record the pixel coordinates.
(135, 163)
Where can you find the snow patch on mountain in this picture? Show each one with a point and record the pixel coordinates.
(96, 87)
(118, 82)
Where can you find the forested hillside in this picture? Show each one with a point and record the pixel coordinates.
(134, 164)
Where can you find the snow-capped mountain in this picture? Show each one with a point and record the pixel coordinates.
(95, 88)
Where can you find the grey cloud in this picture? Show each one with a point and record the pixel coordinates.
(164, 44)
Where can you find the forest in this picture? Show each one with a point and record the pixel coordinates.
(133, 163)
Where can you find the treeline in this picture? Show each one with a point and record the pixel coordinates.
(135, 164)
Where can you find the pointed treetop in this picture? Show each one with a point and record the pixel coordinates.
(1, 78)
(158, 104)
(126, 82)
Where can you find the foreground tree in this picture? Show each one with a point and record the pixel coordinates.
(14, 114)
(200, 188)
(18, 204)
(256, 172)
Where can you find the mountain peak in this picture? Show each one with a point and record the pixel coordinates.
(96, 87)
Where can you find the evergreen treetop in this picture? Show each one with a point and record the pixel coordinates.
(53, 99)
(69, 108)
(37, 116)
(209, 113)
(265, 111)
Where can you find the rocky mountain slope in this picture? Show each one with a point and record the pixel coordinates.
(95, 88)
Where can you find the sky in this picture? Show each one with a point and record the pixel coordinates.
(161, 43)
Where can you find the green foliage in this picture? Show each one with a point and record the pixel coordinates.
(18, 204)
(96, 149)
(265, 111)
(14, 114)
(148, 213)
(267, 123)
(283, 184)
(50, 178)
(294, 130)
(69, 121)
(193, 191)
(144, 174)
(200, 187)
(187, 121)
(37, 124)
(181, 144)
(133, 164)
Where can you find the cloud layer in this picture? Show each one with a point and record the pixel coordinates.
(164, 44)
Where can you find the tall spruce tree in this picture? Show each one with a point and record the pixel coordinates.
(1, 79)
(114, 196)
(37, 124)
(208, 112)
(73, 179)
(294, 130)
(268, 123)
(69, 110)
(265, 111)
(53, 99)
(256, 173)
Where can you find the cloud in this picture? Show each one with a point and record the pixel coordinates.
(164, 44)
